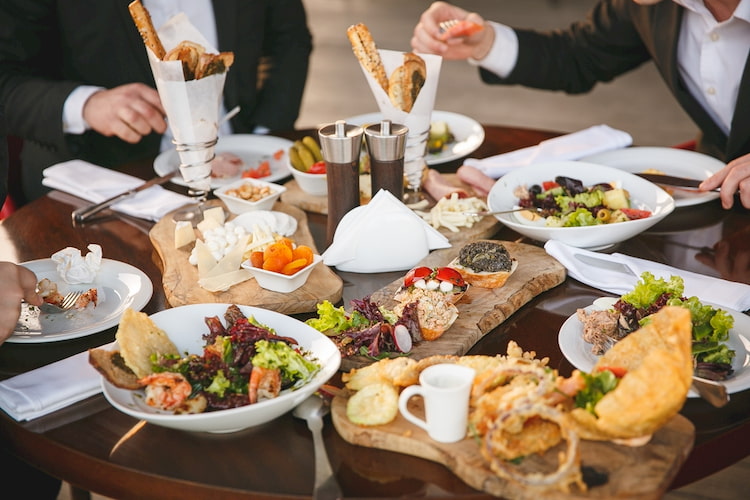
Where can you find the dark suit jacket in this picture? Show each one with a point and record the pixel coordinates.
(616, 37)
(49, 47)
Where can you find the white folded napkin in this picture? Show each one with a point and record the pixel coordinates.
(49, 388)
(580, 264)
(96, 184)
(574, 146)
(384, 235)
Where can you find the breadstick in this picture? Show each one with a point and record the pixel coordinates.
(367, 53)
(142, 20)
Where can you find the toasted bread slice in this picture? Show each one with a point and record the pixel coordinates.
(407, 81)
(367, 53)
(113, 368)
(142, 20)
(189, 53)
(213, 64)
(139, 338)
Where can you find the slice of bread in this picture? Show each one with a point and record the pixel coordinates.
(139, 338)
(406, 81)
(496, 263)
(113, 368)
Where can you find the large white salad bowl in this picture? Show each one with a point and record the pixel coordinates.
(185, 326)
(643, 195)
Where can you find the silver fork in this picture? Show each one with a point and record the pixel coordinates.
(446, 25)
(68, 302)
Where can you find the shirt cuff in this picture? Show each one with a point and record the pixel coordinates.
(503, 55)
(73, 122)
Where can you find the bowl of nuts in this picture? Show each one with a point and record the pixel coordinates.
(246, 195)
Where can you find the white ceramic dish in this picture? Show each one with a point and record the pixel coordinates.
(119, 286)
(252, 148)
(469, 134)
(283, 283)
(185, 326)
(578, 352)
(237, 205)
(671, 161)
(278, 222)
(643, 195)
(314, 184)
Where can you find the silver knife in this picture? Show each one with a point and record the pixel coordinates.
(671, 180)
(84, 213)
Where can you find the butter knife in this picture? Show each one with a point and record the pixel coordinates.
(670, 180)
(84, 213)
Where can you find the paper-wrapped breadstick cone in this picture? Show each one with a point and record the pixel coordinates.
(418, 119)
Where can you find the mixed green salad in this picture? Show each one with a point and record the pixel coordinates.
(566, 202)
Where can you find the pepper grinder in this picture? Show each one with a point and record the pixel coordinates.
(386, 144)
(340, 144)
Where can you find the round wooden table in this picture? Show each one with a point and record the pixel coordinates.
(97, 448)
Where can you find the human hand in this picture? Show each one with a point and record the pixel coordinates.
(427, 38)
(16, 283)
(129, 112)
(732, 178)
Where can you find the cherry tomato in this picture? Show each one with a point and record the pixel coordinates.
(450, 275)
(319, 167)
(417, 274)
(547, 185)
(278, 154)
(634, 213)
(617, 371)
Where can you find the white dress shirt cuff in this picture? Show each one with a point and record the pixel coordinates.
(73, 122)
(502, 57)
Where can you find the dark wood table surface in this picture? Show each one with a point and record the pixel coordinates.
(97, 448)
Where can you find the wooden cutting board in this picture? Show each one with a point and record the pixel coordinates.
(180, 278)
(481, 309)
(631, 472)
(484, 228)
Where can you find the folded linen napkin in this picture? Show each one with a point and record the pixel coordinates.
(574, 146)
(605, 272)
(384, 235)
(96, 184)
(49, 388)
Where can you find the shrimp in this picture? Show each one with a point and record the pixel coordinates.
(167, 390)
(264, 383)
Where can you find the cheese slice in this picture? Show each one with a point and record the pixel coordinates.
(205, 258)
(223, 282)
(230, 262)
(184, 234)
(215, 213)
(208, 223)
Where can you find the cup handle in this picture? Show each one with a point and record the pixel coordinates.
(403, 402)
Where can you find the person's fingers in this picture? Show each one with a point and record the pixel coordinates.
(28, 282)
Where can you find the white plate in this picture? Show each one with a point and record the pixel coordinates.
(185, 326)
(671, 161)
(643, 194)
(469, 134)
(119, 286)
(578, 351)
(252, 148)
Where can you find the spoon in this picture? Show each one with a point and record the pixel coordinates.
(312, 410)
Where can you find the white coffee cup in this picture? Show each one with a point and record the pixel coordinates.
(445, 389)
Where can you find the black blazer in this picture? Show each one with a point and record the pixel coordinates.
(49, 47)
(616, 37)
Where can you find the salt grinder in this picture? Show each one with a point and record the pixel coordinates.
(340, 144)
(386, 144)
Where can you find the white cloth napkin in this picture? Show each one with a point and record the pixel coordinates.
(574, 146)
(96, 184)
(384, 235)
(581, 265)
(49, 388)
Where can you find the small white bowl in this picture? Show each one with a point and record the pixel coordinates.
(277, 282)
(237, 205)
(314, 184)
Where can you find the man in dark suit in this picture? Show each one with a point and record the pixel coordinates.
(616, 37)
(49, 48)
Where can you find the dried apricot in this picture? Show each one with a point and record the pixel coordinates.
(278, 249)
(275, 264)
(294, 266)
(256, 259)
(303, 252)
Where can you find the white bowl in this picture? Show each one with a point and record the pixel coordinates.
(643, 195)
(284, 283)
(314, 184)
(185, 326)
(238, 205)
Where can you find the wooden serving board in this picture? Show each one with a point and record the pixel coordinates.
(643, 472)
(484, 228)
(180, 278)
(481, 309)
